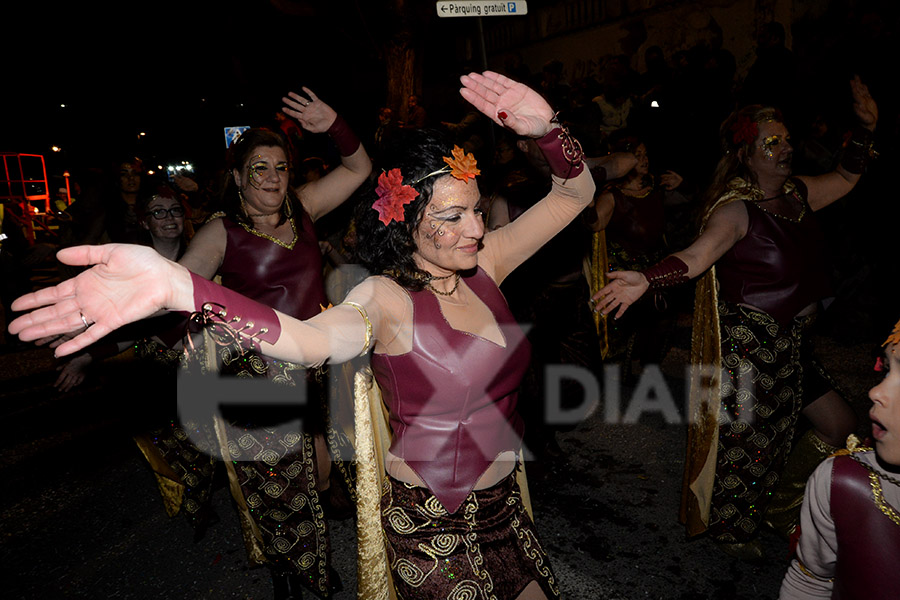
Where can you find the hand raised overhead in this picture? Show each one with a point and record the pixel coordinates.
(313, 115)
(508, 103)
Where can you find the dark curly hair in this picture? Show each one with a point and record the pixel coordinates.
(238, 154)
(388, 249)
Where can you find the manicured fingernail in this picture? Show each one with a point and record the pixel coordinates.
(502, 115)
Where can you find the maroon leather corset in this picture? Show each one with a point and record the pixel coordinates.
(779, 266)
(452, 398)
(868, 542)
(638, 224)
(287, 279)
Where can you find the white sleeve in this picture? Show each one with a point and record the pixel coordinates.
(811, 571)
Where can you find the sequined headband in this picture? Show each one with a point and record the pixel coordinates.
(393, 194)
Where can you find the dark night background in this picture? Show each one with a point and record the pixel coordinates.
(181, 71)
(80, 516)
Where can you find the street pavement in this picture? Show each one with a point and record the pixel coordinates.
(80, 515)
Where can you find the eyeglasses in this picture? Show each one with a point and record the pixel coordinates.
(160, 213)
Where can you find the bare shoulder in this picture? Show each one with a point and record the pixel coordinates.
(730, 216)
(211, 234)
(377, 289)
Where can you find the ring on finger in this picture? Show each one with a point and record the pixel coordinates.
(83, 320)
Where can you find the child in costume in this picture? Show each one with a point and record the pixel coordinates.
(850, 525)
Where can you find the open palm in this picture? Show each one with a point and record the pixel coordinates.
(526, 112)
(127, 283)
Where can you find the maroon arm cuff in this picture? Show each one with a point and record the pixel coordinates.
(563, 153)
(343, 136)
(250, 321)
(858, 150)
(668, 272)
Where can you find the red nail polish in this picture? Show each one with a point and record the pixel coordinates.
(502, 114)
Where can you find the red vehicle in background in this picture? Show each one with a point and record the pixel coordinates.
(25, 195)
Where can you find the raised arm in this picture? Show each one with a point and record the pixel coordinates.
(725, 227)
(520, 109)
(324, 195)
(601, 211)
(825, 189)
(616, 164)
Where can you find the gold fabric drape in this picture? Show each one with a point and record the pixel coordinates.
(596, 267)
(372, 439)
(703, 412)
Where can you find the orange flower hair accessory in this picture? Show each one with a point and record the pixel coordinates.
(462, 166)
(744, 130)
(894, 338)
(393, 195)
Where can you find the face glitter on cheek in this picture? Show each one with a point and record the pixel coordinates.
(769, 144)
(255, 170)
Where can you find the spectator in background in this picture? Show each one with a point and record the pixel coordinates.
(386, 128)
(416, 116)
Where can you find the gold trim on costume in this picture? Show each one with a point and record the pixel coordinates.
(880, 502)
(219, 214)
(365, 316)
(271, 238)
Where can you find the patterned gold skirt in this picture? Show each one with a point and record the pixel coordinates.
(486, 549)
(769, 375)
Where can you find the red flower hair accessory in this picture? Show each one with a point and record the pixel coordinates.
(393, 195)
(744, 130)
(462, 166)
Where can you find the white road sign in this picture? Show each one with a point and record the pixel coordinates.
(482, 8)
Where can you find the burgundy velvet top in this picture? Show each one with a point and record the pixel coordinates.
(780, 265)
(452, 397)
(289, 279)
(868, 542)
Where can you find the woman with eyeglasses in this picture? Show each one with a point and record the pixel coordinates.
(162, 216)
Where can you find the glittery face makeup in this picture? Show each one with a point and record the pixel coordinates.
(259, 167)
(263, 180)
(772, 154)
(770, 143)
(449, 234)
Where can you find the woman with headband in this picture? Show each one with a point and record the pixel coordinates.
(447, 353)
(760, 257)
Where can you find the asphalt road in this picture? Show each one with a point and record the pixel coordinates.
(81, 518)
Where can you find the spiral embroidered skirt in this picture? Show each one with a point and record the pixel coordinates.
(486, 549)
(769, 376)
